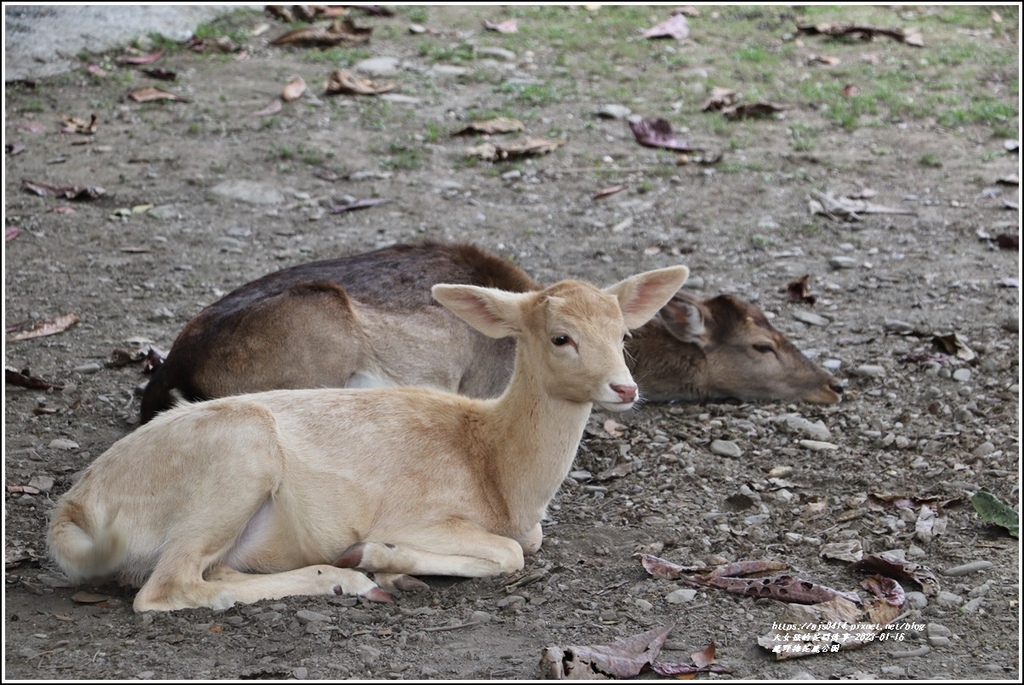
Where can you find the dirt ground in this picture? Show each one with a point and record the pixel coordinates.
(234, 196)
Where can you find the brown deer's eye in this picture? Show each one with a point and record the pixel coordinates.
(560, 340)
(763, 348)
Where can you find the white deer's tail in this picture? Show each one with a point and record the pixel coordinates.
(85, 543)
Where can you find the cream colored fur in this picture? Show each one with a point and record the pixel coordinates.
(298, 492)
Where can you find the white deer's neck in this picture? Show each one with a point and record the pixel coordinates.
(543, 435)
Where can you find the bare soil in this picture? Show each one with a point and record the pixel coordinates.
(907, 426)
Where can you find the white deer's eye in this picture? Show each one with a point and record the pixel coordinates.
(560, 340)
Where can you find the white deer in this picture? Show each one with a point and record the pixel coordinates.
(294, 492)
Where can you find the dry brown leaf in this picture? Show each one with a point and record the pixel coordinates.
(10, 233)
(23, 379)
(151, 93)
(527, 147)
(507, 26)
(491, 126)
(141, 59)
(48, 327)
(343, 33)
(720, 98)
(658, 133)
(823, 59)
(343, 82)
(676, 27)
(160, 74)
(752, 110)
(623, 658)
(800, 290)
(894, 567)
(67, 192)
(14, 147)
(96, 71)
(613, 428)
(273, 108)
(294, 90)
(77, 125)
(610, 190)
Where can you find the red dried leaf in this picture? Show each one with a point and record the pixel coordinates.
(67, 192)
(150, 94)
(344, 33)
(894, 567)
(359, 204)
(623, 658)
(677, 27)
(10, 233)
(342, 82)
(141, 59)
(799, 290)
(22, 379)
(747, 568)
(160, 74)
(885, 589)
(610, 190)
(662, 569)
(96, 71)
(849, 90)
(704, 657)
(658, 133)
(507, 26)
(47, 327)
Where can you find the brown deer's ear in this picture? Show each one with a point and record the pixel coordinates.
(687, 320)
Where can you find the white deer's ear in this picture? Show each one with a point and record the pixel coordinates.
(686, 320)
(641, 296)
(495, 313)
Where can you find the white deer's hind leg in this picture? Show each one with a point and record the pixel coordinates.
(455, 548)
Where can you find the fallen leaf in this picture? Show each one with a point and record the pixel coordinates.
(507, 26)
(752, 110)
(662, 569)
(294, 90)
(160, 74)
(141, 59)
(822, 628)
(76, 125)
(658, 133)
(343, 33)
(849, 90)
(342, 82)
(33, 127)
(992, 510)
(23, 379)
(719, 98)
(676, 27)
(799, 290)
(96, 71)
(62, 209)
(491, 126)
(280, 12)
(892, 566)
(223, 44)
(909, 36)
(748, 567)
(1008, 242)
(953, 344)
(623, 658)
(271, 109)
(823, 59)
(846, 550)
(150, 94)
(622, 468)
(613, 428)
(15, 147)
(67, 192)
(47, 327)
(702, 663)
(610, 190)
(10, 233)
(359, 204)
(527, 147)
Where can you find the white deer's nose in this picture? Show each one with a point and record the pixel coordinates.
(626, 391)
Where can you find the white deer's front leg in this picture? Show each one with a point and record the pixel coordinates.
(455, 548)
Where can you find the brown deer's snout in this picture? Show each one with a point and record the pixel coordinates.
(627, 393)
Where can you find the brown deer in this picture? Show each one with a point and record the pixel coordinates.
(299, 492)
(368, 319)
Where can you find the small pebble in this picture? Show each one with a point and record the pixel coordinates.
(948, 599)
(644, 604)
(869, 370)
(842, 262)
(62, 444)
(923, 650)
(916, 600)
(681, 596)
(962, 375)
(938, 641)
(726, 448)
(818, 445)
(92, 367)
(972, 606)
(305, 616)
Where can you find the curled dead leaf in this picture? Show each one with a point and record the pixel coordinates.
(719, 98)
(491, 126)
(343, 82)
(799, 290)
(151, 93)
(610, 190)
(77, 125)
(47, 327)
(273, 108)
(677, 27)
(294, 90)
(23, 379)
(67, 192)
(507, 26)
(160, 74)
(141, 59)
(752, 110)
(339, 33)
(494, 152)
(658, 133)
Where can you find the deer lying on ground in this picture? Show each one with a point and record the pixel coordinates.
(368, 320)
(254, 496)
